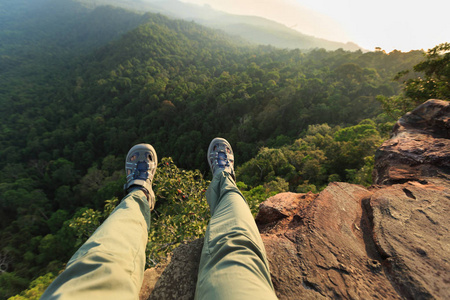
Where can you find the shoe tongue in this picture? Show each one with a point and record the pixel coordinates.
(142, 168)
(222, 159)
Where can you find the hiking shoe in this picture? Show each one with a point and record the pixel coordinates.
(220, 157)
(140, 167)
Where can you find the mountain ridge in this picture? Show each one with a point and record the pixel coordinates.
(255, 29)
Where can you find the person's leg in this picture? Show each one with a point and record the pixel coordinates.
(233, 262)
(110, 265)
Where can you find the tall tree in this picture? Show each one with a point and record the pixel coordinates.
(435, 82)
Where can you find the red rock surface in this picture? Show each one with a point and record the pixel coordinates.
(390, 241)
(419, 147)
(328, 254)
(410, 228)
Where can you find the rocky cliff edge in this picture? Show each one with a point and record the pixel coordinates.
(389, 241)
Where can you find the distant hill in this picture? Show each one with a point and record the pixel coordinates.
(38, 37)
(254, 29)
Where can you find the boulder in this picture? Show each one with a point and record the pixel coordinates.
(419, 147)
(178, 277)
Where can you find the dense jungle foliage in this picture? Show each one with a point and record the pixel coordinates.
(79, 87)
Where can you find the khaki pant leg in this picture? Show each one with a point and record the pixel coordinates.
(233, 262)
(110, 265)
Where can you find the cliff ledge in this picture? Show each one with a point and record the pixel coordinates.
(389, 241)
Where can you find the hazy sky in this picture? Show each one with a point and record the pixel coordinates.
(389, 24)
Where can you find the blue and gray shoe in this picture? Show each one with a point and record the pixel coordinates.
(140, 167)
(220, 157)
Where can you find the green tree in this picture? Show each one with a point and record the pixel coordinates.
(431, 80)
(435, 84)
(36, 288)
(10, 284)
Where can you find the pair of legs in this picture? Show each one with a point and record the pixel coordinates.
(110, 265)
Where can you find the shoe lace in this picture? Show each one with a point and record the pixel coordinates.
(222, 160)
(141, 171)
